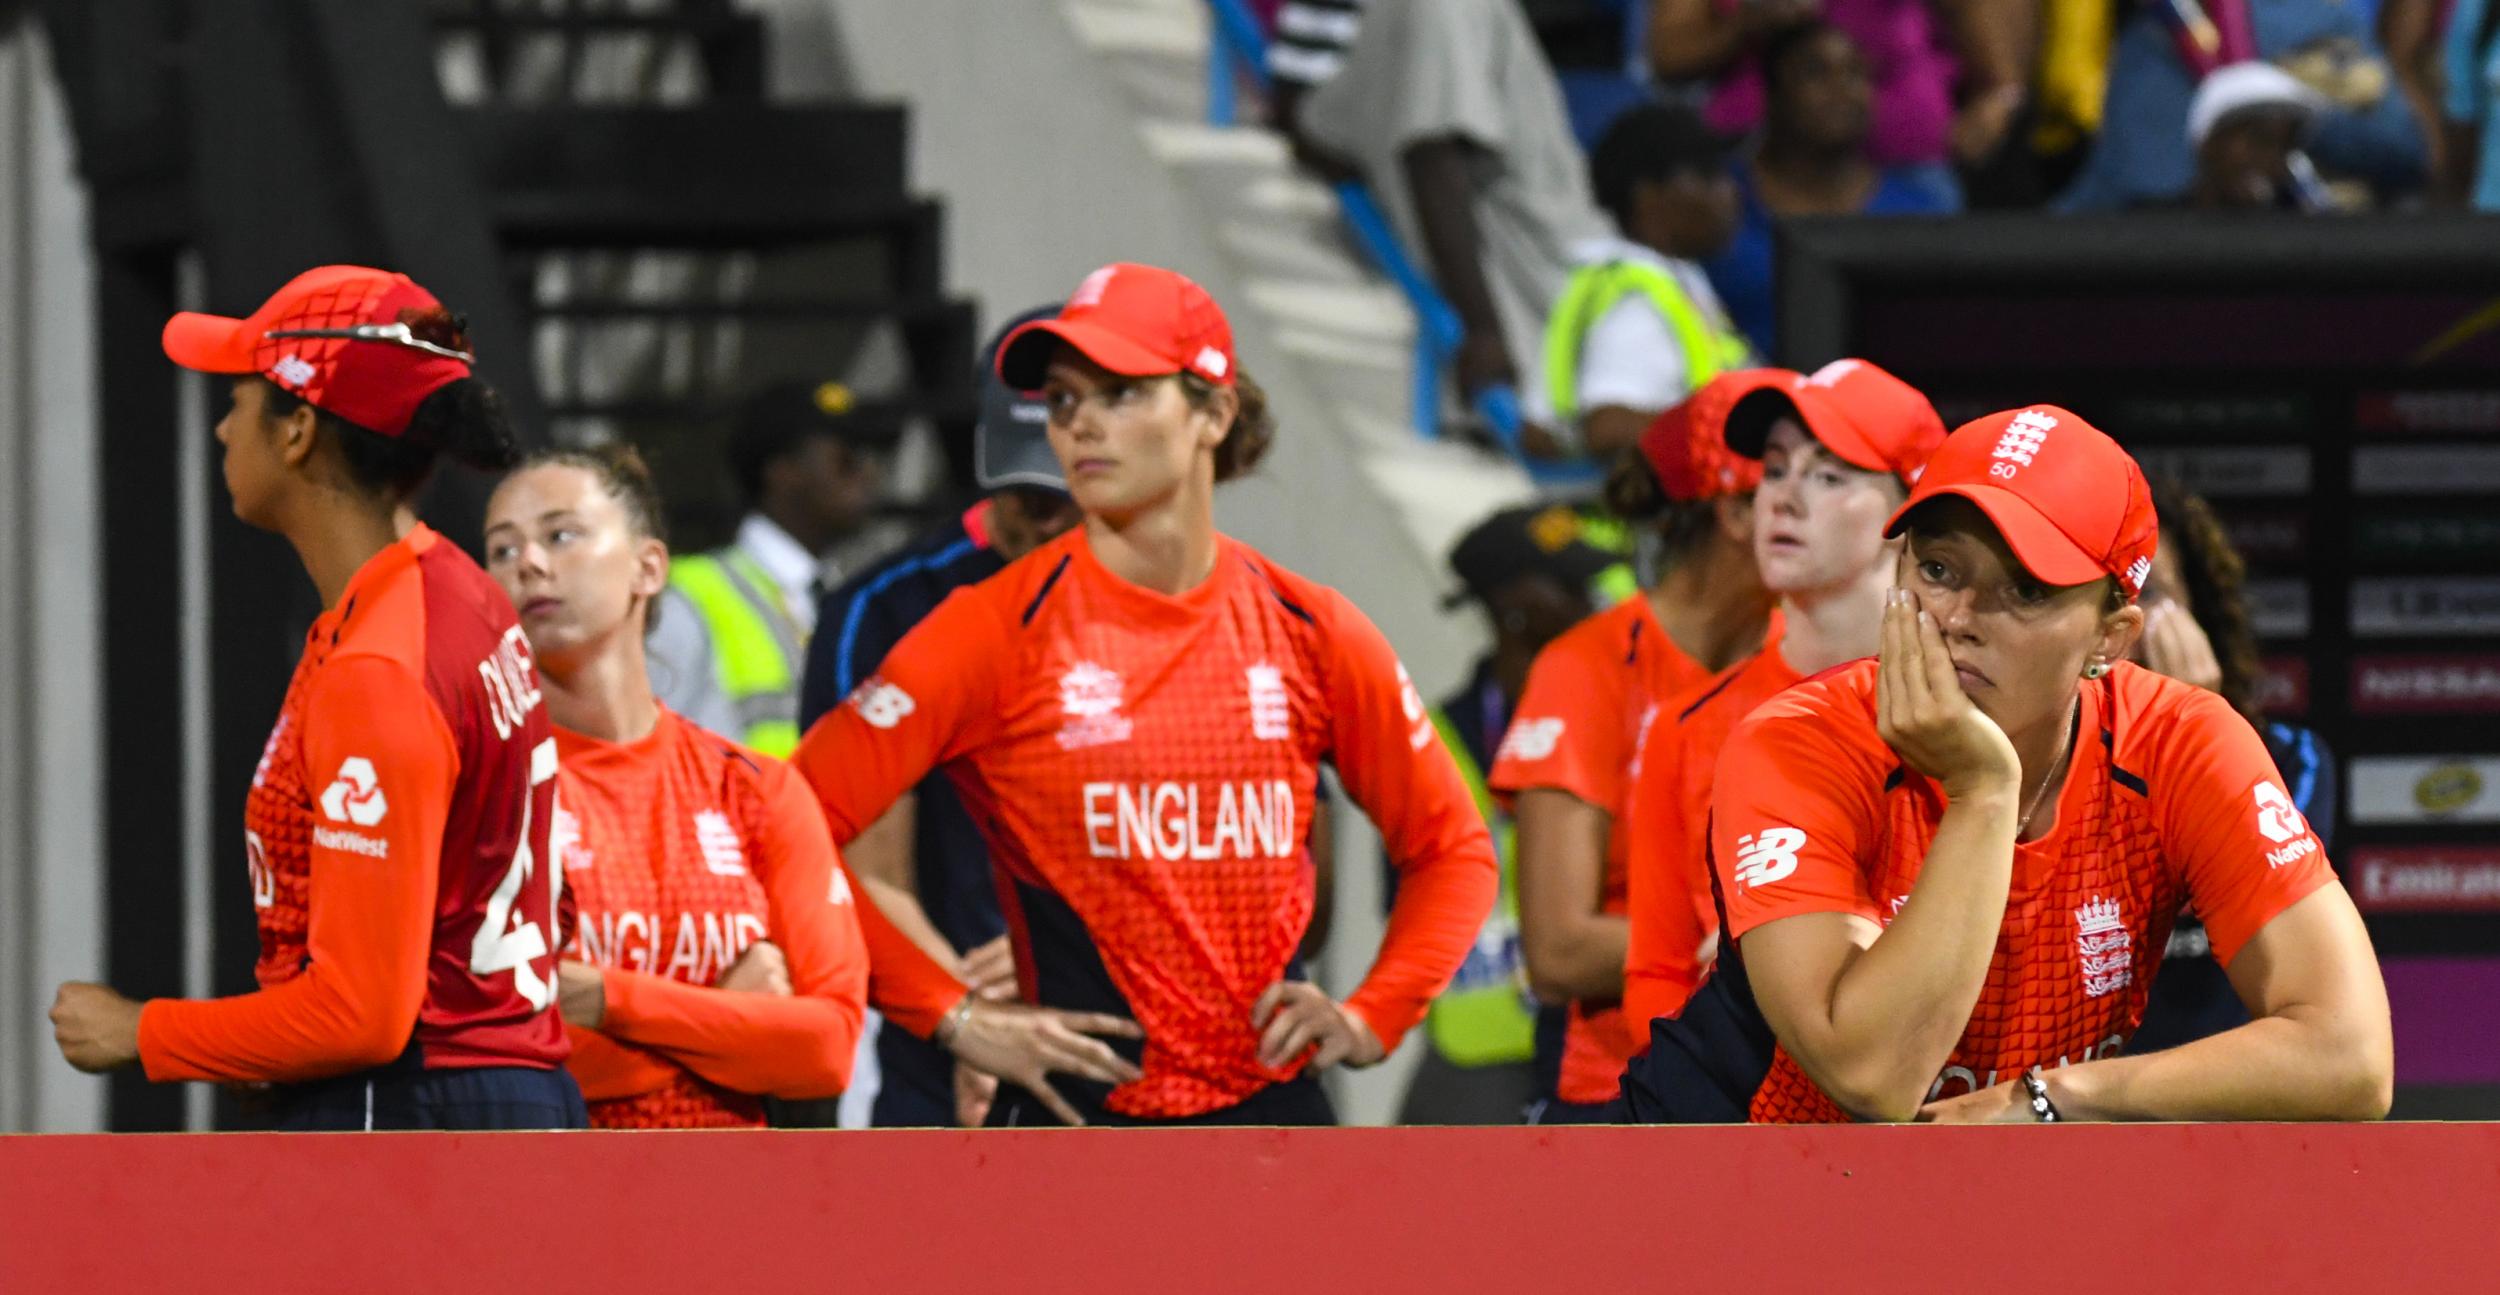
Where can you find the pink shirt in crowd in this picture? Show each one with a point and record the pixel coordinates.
(1913, 78)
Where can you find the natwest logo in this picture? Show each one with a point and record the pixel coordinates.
(354, 797)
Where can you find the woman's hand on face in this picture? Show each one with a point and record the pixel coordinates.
(1294, 1015)
(2175, 645)
(1922, 713)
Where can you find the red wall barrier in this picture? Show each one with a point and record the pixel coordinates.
(2411, 1208)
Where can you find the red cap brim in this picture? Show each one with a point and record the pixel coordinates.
(2049, 554)
(208, 343)
(1024, 359)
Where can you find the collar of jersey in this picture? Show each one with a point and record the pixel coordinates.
(1138, 599)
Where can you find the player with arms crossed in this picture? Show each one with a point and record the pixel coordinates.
(719, 960)
(1136, 714)
(398, 822)
(1948, 875)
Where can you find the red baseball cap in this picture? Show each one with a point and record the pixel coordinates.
(2071, 504)
(1868, 417)
(338, 337)
(1140, 321)
(1687, 446)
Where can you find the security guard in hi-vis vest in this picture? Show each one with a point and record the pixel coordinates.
(729, 641)
(1638, 327)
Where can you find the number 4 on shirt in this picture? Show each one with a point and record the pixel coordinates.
(508, 940)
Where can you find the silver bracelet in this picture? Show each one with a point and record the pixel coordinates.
(2042, 1109)
(952, 1023)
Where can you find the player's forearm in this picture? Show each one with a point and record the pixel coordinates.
(315, 1026)
(902, 908)
(1580, 958)
(2303, 1065)
(1899, 1007)
(768, 1044)
(1441, 905)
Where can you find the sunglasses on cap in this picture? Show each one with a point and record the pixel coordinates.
(395, 334)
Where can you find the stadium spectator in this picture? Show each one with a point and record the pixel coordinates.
(1591, 700)
(1450, 110)
(2248, 123)
(1839, 452)
(2196, 630)
(1812, 161)
(1136, 712)
(1534, 573)
(2142, 154)
(1925, 54)
(1948, 875)
(717, 959)
(923, 861)
(2470, 152)
(730, 638)
(1638, 327)
(397, 827)
(2414, 33)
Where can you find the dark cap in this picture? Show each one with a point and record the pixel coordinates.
(779, 418)
(1547, 539)
(1011, 447)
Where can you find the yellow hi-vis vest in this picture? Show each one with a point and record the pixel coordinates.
(757, 650)
(1483, 1018)
(1709, 348)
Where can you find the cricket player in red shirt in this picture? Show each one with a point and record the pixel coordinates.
(1839, 452)
(398, 821)
(718, 959)
(1575, 743)
(1948, 875)
(1136, 714)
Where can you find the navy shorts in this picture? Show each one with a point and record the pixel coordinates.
(1297, 1102)
(486, 1098)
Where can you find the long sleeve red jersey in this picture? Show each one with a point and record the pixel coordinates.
(1144, 767)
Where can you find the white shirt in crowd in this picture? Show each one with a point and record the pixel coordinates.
(1631, 356)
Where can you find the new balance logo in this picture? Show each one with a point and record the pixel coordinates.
(1769, 857)
(881, 704)
(354, 797)
(293, 371)
(1531, 739)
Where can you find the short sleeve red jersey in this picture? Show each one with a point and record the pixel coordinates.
(1591, 699)
(396, 834)
(1143, 768)
(681, 850)
(1666, 856)
(2170, 799)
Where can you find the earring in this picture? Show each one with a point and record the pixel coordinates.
(2096, 670)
